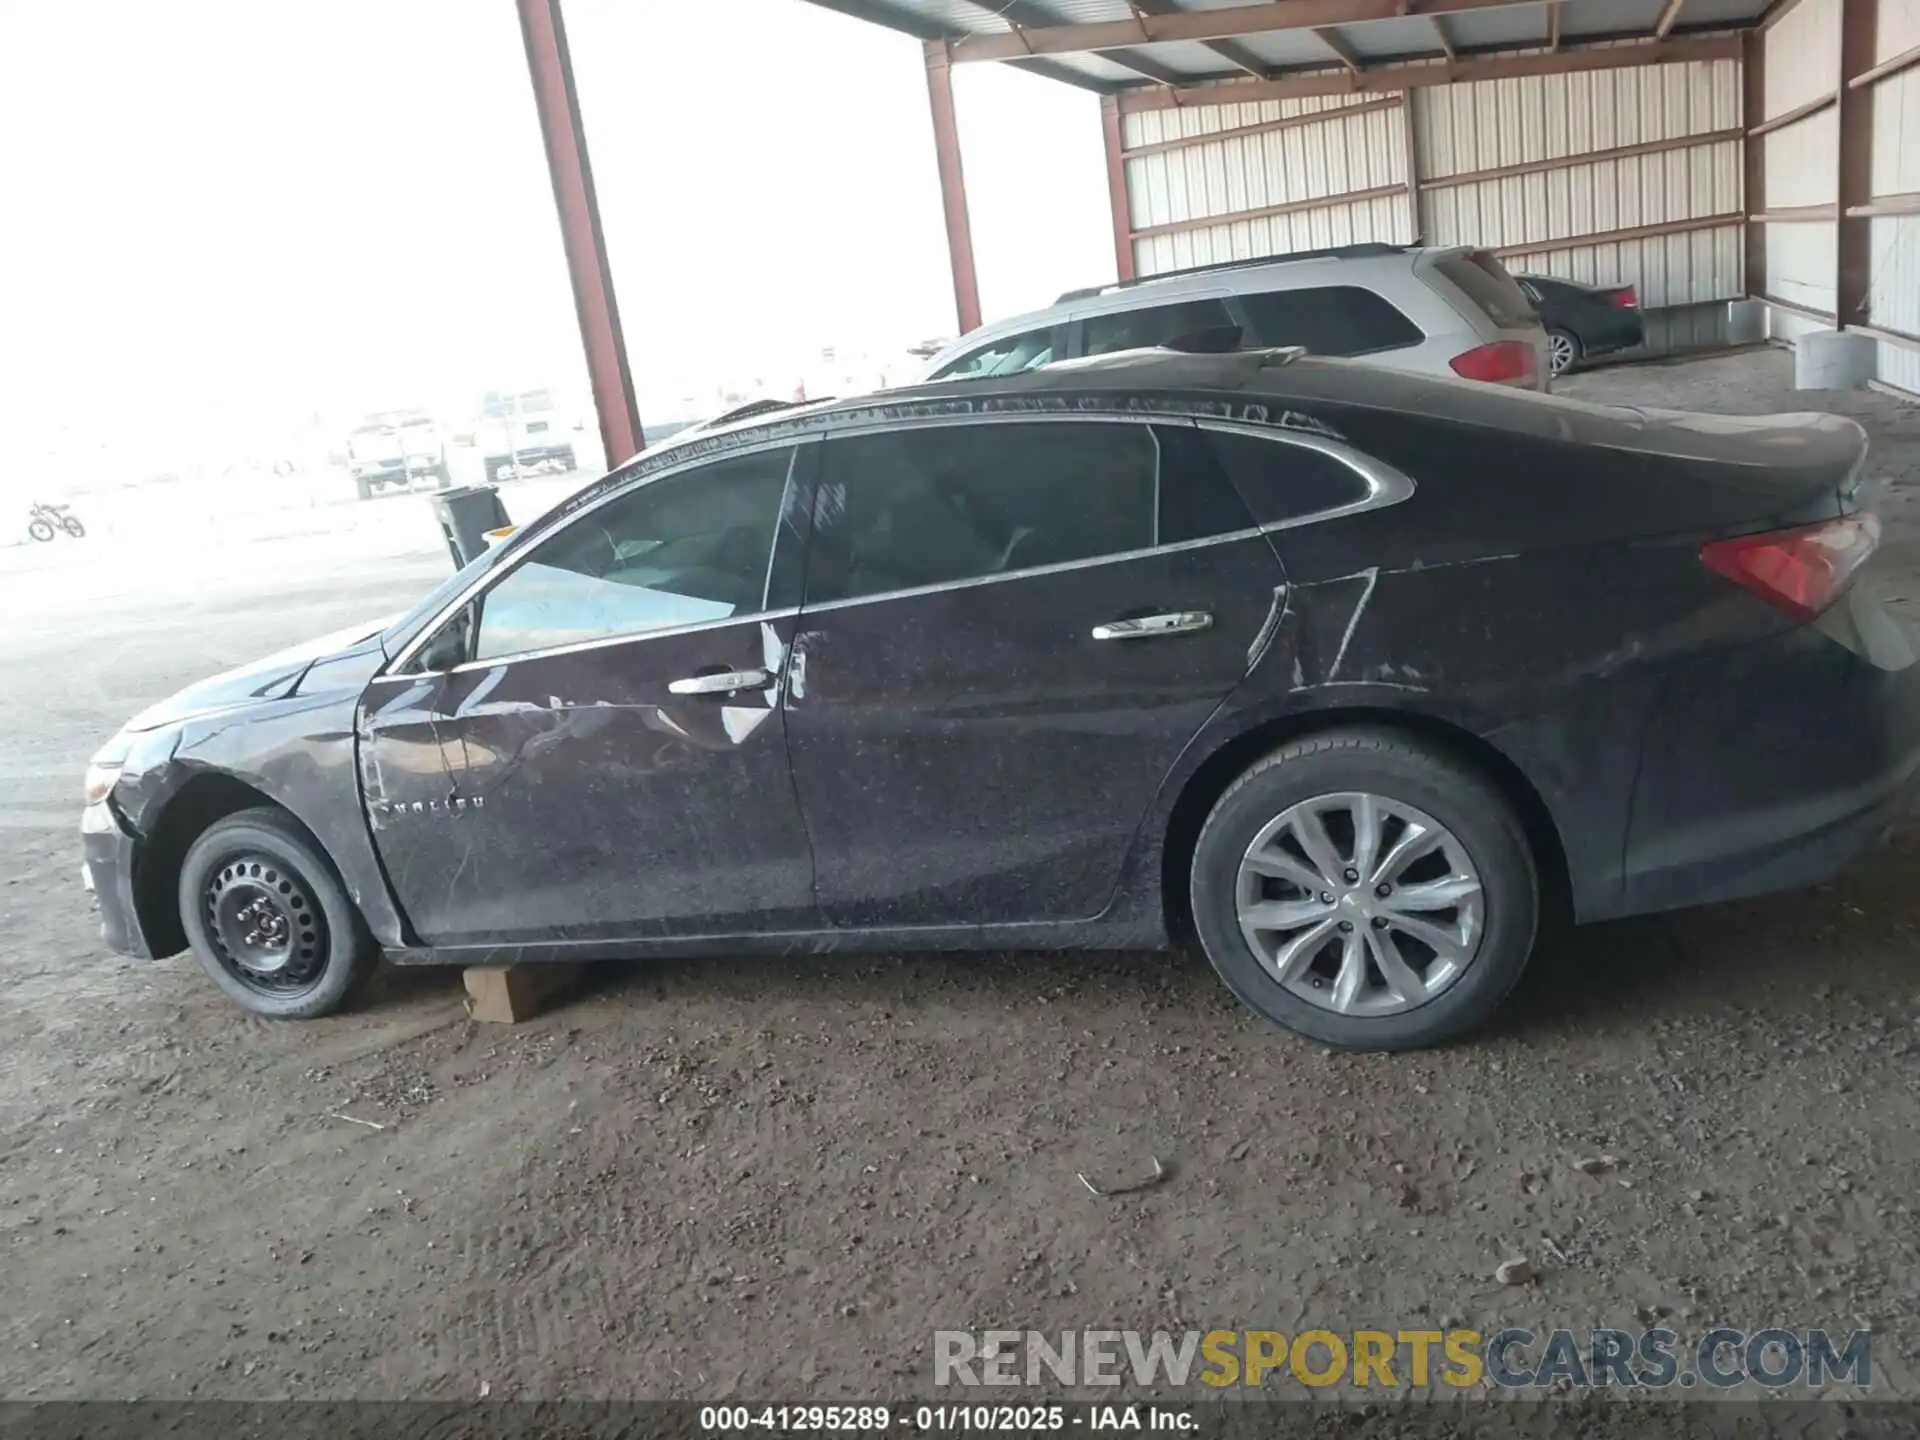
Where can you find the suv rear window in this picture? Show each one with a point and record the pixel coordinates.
(1487, 283)
(1328, 320)
(1132, 329)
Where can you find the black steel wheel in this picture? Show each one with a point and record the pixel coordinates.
(268, 918)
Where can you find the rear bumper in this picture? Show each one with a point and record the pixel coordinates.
(1773, 766)
(107, 870)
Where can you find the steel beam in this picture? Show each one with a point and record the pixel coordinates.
(558, 106)
(953, 187)
(1147, 29)
(1387, 79)
(1117, 189)
(1753, 65)
(1853, 237)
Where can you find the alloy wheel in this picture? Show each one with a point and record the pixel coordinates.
(1561, 352)
(1360, 904)
(267, 928)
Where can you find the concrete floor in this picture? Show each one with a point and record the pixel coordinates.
(776, 1178)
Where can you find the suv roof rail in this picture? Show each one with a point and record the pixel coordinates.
(1364, 250)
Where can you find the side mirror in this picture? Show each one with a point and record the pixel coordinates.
(450, 647)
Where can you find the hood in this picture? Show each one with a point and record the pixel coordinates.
(274, 677)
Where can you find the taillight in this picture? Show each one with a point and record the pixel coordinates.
(1801, 571)
(1502, 362)
(1624, 297)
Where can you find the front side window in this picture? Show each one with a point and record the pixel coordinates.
(689, 547)
(934, 505)
(1328, 320)
(1009, 355)
(1155, 325)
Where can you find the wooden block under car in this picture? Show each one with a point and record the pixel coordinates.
(508, 994)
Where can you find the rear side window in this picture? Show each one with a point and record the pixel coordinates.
(1134, 329)
(963, 502)
(1008, 355)
(1487, 283)
(1281, 480)
(1328, 320)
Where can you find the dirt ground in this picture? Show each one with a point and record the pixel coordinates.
(776, 1178)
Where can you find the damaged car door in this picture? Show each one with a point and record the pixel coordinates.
(592, 747)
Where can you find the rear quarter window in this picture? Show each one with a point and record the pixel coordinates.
(1154, 325)
(1327, 320)
(1279, 479)
(1486, 282)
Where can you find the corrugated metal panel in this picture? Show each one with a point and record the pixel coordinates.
(1803, 56)
(1898, 31)
(1384, 219)
(1492, 124)
(1150, 127)
(1346, 153)
(1800, 265)
(1803, 162)
(1896, 132)
(1896, 295)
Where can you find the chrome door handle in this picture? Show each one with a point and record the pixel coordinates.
(1174, 622)
(724, 683)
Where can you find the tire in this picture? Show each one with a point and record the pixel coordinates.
(365, 487)
(1484, 835)
(40, 530)
(74, 528)
(1564, 350)
(255, 856)
(567, 460)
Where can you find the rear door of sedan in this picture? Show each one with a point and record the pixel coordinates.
(1012, 626)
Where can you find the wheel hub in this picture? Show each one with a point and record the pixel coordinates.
(267, 930)
(1360, 904)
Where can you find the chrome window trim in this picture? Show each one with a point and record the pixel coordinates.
(1385, 486)
(395, 669)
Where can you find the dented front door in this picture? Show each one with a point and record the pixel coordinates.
(585, 796)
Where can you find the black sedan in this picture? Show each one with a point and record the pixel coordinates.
(1584, 321)
(1356, 678)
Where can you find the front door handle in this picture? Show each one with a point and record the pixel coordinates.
(1146, 627)
(724, 683)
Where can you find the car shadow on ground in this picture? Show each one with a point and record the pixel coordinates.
(1782, 953)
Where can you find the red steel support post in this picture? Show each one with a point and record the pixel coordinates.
(1117, 187)
(554, 96)
(953, 187)
(1853, 237)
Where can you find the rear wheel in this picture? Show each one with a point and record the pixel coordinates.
(40, 530)
(73, 527)
(269, 920)
(1563, 350)
(1361, 889)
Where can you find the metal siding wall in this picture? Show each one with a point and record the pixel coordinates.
(1482, 126)
(1803, 57)
(1344, 153)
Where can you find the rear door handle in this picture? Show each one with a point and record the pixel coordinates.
(1146, 627)
(725, 683)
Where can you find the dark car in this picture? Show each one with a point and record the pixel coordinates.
(1584, 321)
(1357, 677)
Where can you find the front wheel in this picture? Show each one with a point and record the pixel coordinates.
(269, 920)
(40, 530)
(1366, 891)
(74, 528)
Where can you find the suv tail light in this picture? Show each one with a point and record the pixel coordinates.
(1503, 362)
(1624, 296)
(1801, 571)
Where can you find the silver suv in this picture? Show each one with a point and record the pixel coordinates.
(1444, 312)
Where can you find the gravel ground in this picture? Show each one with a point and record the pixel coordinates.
(776, 1178)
